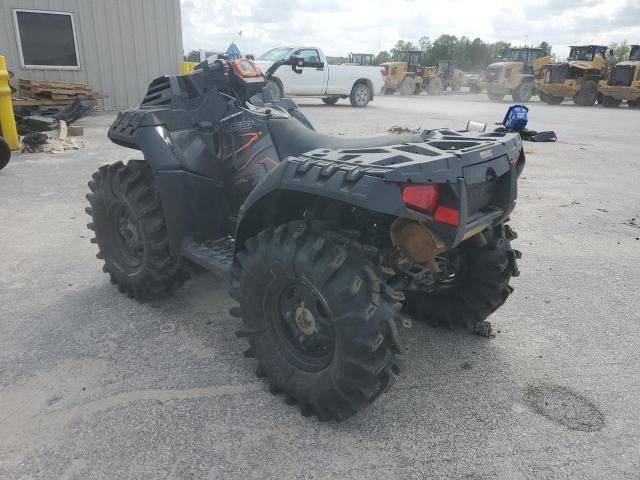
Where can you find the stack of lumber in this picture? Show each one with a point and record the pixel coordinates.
(52, 92)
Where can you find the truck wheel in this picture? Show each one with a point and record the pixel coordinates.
(633, 103)
(587, 95)
(5, 153)
(130, 230)
(495, 97)
(360, 95)
(435, 86)
(319, 319)
(331, 100)
(551, 99)
(523, 93)
(479, 286)
(408, 86)
(274, 88)
(610, 102)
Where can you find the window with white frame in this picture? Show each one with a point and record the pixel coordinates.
(46, 39)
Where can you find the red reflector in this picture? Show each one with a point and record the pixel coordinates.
(421, 197)
(447, 215)
(383, 71)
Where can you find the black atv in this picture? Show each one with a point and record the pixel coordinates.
(328, 242)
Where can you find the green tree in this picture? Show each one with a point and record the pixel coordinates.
(497, 49)
(400, 46)
(424, 43)
(545, 47)
(620, 53)
(478, 55)
(382, 57)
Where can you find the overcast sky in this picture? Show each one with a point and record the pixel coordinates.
(340, 27)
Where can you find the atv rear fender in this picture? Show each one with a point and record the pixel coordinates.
(479, 180)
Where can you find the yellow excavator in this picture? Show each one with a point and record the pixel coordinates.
(623, 82)
(577, 78)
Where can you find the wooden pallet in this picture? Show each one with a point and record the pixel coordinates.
(56, 90)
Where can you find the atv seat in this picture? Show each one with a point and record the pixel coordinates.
(291, 138)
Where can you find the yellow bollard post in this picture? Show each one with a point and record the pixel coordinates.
(7, 120)
(187, 67)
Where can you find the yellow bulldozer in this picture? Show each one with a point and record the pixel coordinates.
(577, 78)
(623, 82)
(515, 75)
(409, 75)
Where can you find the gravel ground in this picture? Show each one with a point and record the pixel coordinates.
(91, 387)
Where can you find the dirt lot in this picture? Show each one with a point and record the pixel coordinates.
(91, 387)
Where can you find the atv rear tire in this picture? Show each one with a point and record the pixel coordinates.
(408, 86)
(130, 230)
(610, 102)
(435, 86)
(456, 86)
(495, 97)
(482, 286)
(587, 95)
(633, 103)
(360, 95)
(319, 319)
(523, 92)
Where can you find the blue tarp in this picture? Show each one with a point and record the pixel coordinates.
(233, 51)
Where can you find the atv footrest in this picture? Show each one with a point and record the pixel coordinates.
(214, 255)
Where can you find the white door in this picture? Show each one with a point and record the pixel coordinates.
(312, 80)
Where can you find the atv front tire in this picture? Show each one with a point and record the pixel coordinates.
(482, 285)
(495, 97)
(319, 319)
(130, 230)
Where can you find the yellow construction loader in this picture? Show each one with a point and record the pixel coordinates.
(515, 75)
(577, 78)
(623, 82)
(409, 76)
(452, 77)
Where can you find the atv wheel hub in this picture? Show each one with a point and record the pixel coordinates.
(128, 235)
(303, 322)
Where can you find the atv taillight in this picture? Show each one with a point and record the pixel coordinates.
(447, 215)
(421, 197)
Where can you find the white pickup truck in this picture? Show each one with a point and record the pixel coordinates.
(319, 79)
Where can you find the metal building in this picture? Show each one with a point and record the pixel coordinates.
(116, 46)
